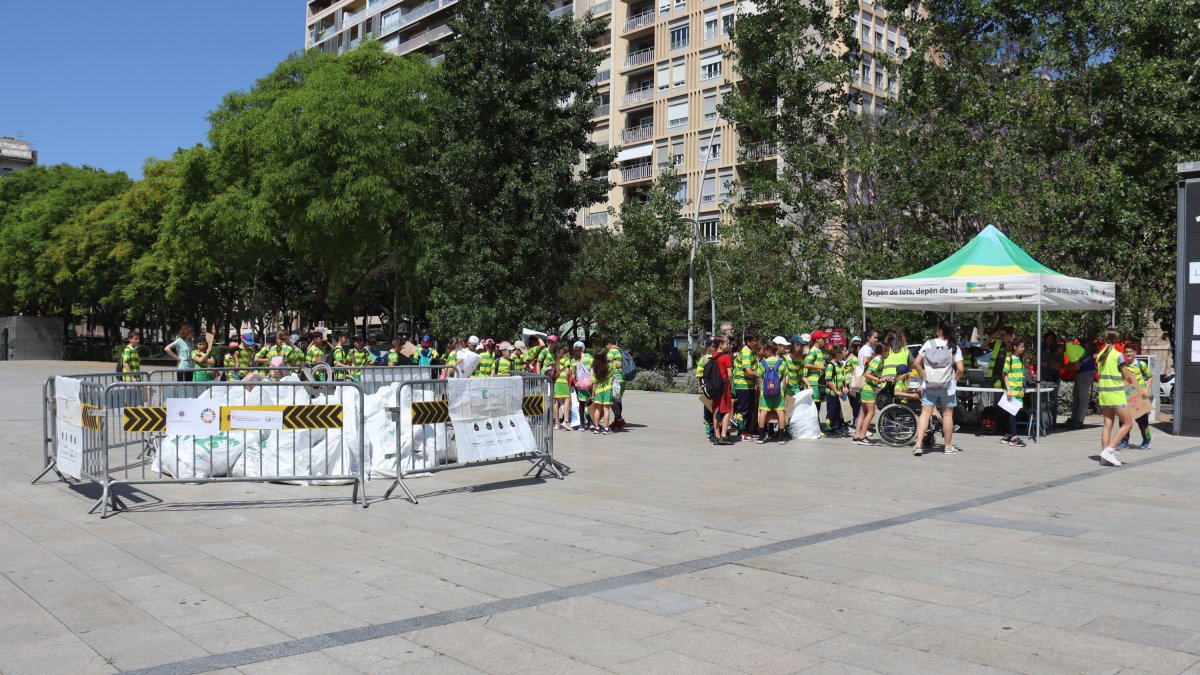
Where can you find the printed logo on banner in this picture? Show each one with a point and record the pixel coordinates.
(971, 288)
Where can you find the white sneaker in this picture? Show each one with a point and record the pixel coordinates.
(950, 450)
(918, 451)
(1108, 456)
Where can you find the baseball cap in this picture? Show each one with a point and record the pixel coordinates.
(796, 339)
(519, 345)
(708, 342)
(505, 346)
(248, 338)
(806, 338)
(779, 340)
(578, 345)
(233, 344)
(473, 340)
(553, 338)
(856, 339)
(426, 340)
(489, 343)
(818, 334)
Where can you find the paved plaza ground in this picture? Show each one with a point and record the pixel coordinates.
(659, 554)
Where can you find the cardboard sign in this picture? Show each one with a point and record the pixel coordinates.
(408, 350)
(1138, 403)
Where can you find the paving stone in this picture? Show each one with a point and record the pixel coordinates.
(606, 615)
(887, 658)
(721, 648)
(568, 638)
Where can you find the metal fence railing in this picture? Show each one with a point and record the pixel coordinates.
(427, 441)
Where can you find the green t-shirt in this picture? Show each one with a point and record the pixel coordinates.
(773, 362)
(745, 360)
(393, 357)
(314, 355)
(487, 365)
(504, 366)
(564, 369)
(815, 357)
(131, 360)
(616, 364)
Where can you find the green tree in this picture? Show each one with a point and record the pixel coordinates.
(513, 130)
(322, 159)
(35, 206)
(629, 283)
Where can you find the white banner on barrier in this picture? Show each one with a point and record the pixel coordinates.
(68, 444)
(193, 417)
(488, 420)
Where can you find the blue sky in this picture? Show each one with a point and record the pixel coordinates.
(109, 84)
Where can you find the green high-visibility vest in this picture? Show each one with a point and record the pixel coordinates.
(894, 360)
(997, 362)
(1111, 387)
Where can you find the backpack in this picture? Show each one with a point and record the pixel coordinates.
(583, 377)
(425, 357)
(939, 376)
(711, 382)
(772, 381)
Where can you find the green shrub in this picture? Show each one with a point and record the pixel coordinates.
(649, 380)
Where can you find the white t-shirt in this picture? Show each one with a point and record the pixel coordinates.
(939, 343)
(866, 354)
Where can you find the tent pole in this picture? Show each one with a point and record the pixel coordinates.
(1037, 382)
(864, 327)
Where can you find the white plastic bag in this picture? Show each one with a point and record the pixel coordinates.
(217, 455)
(421, 445)
(803, 423)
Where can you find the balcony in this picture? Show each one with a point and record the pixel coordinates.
(638, 21)
(641, 132)
(759, 151)
(639, 58)
(640, 171)
(561, 11)
(602, 76)
(679, 43)
(636, 96)
(600, 9)
(419, 12)
(601, 110)
(421, 39)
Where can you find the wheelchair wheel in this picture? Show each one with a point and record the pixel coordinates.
(897, 425)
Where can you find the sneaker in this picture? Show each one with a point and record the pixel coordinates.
(1144, 446)
(1016, 442)
(1109, 456)
(918, 451)
(595, 431)
(1123, 445)
(761, 439)
(604, 433)
(1006, 439)
(860, 441)
(725, 440)
(747, 437)
(950, 450)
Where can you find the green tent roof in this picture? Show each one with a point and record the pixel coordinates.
(990, 254)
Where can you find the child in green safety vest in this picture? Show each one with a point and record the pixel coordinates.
(1114, 375)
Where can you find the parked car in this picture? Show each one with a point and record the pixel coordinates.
(1166, 387)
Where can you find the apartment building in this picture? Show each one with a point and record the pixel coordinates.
(661, 79)
(15, 154)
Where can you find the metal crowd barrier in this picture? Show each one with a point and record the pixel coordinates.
(374, 378)
(50, 406)
(432, 449)
(317, 441)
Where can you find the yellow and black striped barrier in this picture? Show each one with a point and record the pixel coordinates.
(144, 418)
(438, 412)
(154, 418)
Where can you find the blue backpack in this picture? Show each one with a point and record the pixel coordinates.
(424, 357)
(773, 381)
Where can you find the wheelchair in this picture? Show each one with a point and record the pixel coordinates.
(898, 416)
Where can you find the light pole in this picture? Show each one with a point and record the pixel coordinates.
(695, 244)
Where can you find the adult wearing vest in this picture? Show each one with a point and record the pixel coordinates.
(897, 355)
(1114, 375)
(1001, 346)
(1081, 365)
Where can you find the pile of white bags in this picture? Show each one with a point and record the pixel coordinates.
(311, 452)
(803, 423)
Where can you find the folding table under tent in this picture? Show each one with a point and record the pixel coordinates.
(990, 274)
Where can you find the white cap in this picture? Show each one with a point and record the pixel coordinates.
(806, 338)
(779, 340)
(473, 340)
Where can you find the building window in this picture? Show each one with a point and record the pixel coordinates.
(866, 30)
(710, 106)
(662, 154)
(727, 21)
(677, 113)
(391, 43)
(710, 145)
(710, 65)
(677, 73)
(664, 6)
(726, 183)
(708, 190)
(664, 75)
(680, 5)
(866, 73)
(879, 79)
(391, 21)
(681, 191)
(677, 151)
(707, 226)
(679, 35)
(710, 25)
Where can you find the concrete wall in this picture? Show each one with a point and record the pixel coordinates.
(32, 338)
